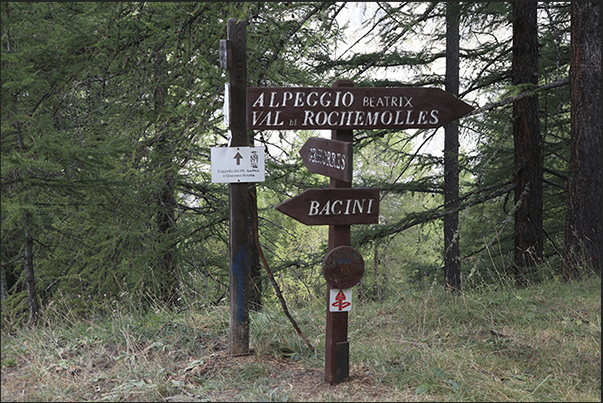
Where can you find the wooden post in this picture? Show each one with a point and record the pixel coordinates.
(336, 338)
(233, 56)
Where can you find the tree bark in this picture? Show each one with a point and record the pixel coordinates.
(583, 220)
(527, 142)
(28, 268)
(165, 199)
(166, 223)
(28, 260)
(452, 252)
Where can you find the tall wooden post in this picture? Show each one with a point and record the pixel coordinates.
(233, 56)
(452, 266)
(337, 367)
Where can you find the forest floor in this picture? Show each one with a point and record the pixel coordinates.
(539, 343)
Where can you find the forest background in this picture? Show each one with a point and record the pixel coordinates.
(109, 112)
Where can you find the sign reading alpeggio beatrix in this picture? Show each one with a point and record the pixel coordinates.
(351, 107)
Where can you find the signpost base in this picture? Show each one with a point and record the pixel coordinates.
(336, 346)
(342, 353)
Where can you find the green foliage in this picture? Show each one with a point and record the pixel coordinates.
(109, 111)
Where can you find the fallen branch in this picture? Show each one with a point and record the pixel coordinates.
(170, 320)
(277, 289)
(280, 296)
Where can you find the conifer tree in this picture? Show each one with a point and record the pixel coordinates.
(583, 221)
(451, 150)
(529, 237)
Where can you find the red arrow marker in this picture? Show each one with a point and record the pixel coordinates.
(340, 304)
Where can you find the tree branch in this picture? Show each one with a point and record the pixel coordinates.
(521, 95)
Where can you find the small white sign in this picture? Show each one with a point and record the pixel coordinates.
(340, 300)
(237, 164)
(226, 107)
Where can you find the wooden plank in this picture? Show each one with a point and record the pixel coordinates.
(332, 158)
(336, 206)
(290, 108)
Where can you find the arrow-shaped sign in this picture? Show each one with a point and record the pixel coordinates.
(336, 206)
(332, 158)
(289, 108)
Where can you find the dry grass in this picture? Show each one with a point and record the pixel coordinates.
(536, 344)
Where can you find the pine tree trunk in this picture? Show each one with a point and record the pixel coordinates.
(166, 204)
(451, 149)
(527, 142)
(583, 220)
(166, 227)
(28, 261)
(28, 268)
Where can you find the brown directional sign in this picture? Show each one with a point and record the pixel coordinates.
(288, 108)
(343, 267)
(334, 206)
(332, 158)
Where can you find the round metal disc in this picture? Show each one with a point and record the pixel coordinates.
(343, 267)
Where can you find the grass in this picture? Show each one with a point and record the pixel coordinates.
(540, 343)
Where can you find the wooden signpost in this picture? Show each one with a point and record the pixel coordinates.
(337, 346)
(242, 230)
(340, 108)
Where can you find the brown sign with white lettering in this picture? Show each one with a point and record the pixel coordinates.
(332, 158)
(333, 206)
(288, 108)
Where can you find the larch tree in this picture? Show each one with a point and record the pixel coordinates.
(452, 265)
(583, 220)
(527, 141)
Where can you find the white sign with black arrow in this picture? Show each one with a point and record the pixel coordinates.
(237, 164)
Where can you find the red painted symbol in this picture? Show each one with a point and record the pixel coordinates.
(339, 301)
